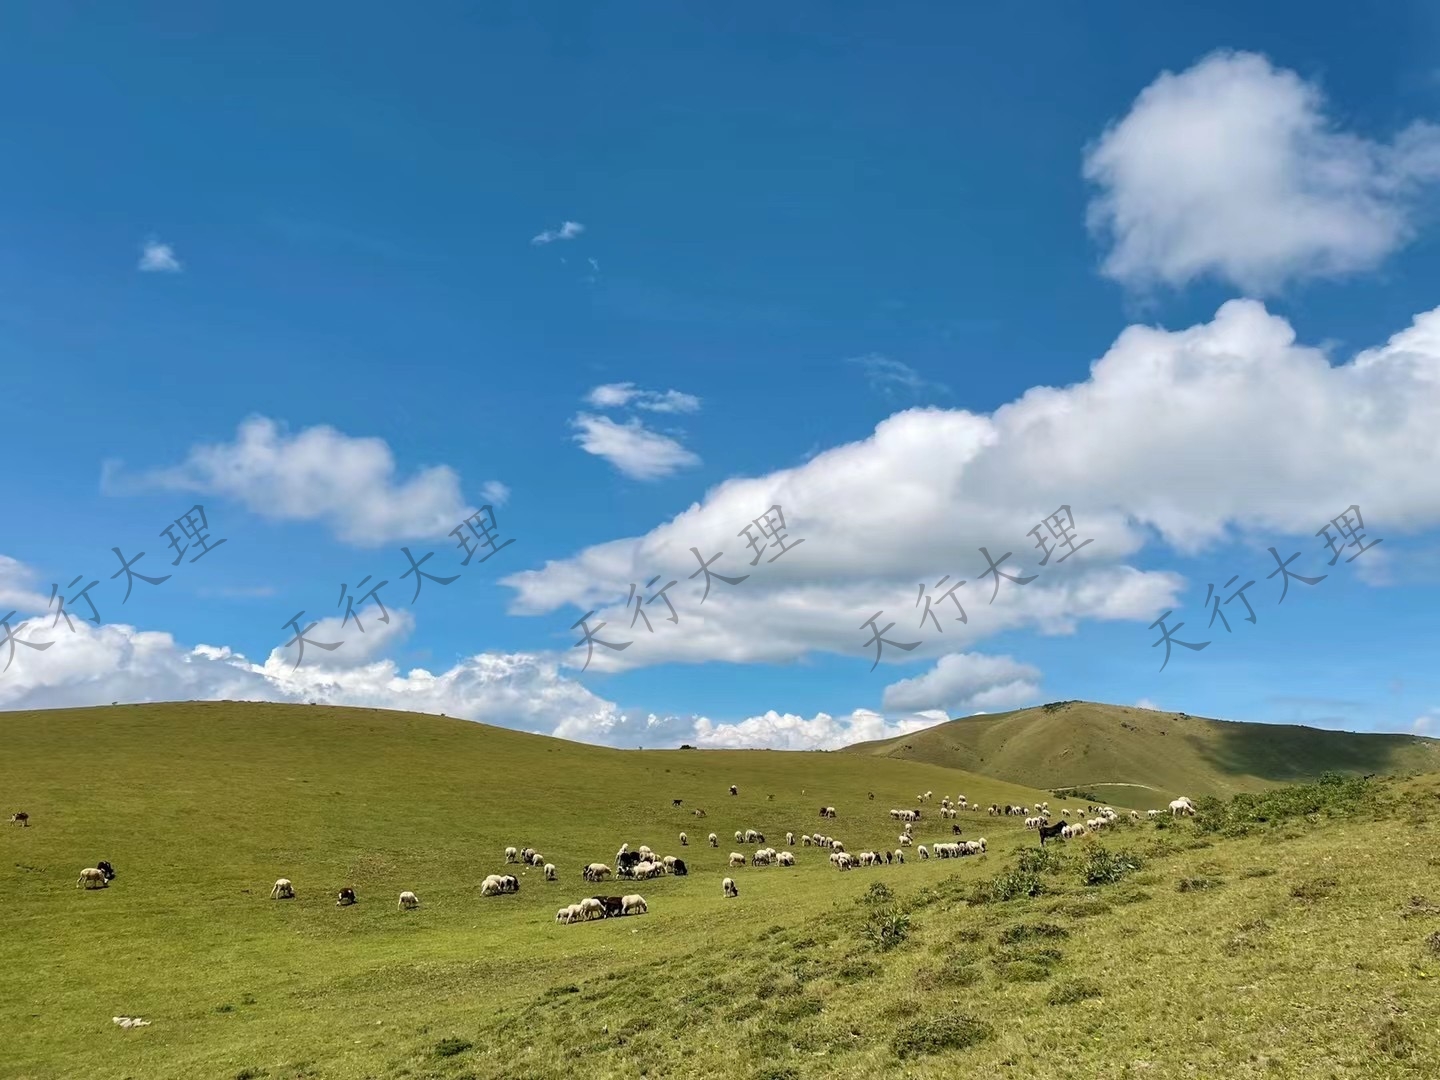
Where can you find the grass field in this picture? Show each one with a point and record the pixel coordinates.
(1145, 758)
(1309, 947)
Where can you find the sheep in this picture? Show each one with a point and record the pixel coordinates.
(728, 887)
(699, 812)
(346, 898)
(714, 840)
(924, 851)
(282, 890)
(680, 869)
(92, 878)
(590, 907)
(734, 790)
(595, 871)
(785, 858)
(1065, 811)
(1182, 805)
(526, 854)
(981, 842)
(509, 883)
(752, 837)
(675, 802)
(491, 886)
(904, 838)
(549, 871)
(563, 915)
(634, 904)
(408, 900)
(899, 855)
(739, 837)
(1078, 829)
(805, 840)
(790, 839)
(736, 859)
(646, 853)
(684, 840)
(106, 869)
(1152, 813)
(647, 870)
(22, 819)
(668, 862)
(511, 854)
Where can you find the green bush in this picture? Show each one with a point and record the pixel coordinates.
(1009, 885)
(1101, 866)
(886, 928)
(1332, 795)
(1041, 860)
(935, 1034)
(878, 893)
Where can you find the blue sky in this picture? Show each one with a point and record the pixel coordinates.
(319, 281)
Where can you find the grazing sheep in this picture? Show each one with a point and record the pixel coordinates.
(595, 871)
(564, 914)
(282, 890)
(613, 905)
(668, 862)
(684, 840)
(835, 844)
(739, 837)
(714, 840)
(509, 883)
(785, 858)
(734, 790)
(751, 836)
(790, 839)
(1182, 805)
(549, 871)
(679, 869)
(887, 858)
(806, 840)
(1078, 829)
(106, 869)
(924, 851)
(22, 819)
(511, 854)
(904, 838)
(675, 802)
(92, 878)
(409, 900)
(591, 908)
(736, 859)
(491, 886)
(699, 812)
(634, 904)
(899, 855)
(346, 898)
(728, 887)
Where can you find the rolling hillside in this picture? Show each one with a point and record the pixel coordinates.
(1137, 757)
(201, 806)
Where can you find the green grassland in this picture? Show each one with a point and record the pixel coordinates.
(1306, 944)
(1144, 758)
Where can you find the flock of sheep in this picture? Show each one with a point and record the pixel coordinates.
(644, 863)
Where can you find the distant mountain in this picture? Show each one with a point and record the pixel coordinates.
(1143, 758)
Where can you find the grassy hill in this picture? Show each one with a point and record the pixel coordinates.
(1138, 757)
(1289, 938)
(201, 806)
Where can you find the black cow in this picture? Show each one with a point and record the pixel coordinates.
(1047, 831)
(106, 869)
(614, 905)
(678, 869)
(347, 897)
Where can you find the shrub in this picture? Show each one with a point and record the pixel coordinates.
(934, 1034)
(1067, 993)
(1077, 793)
(1041, 860)
(1010, 885)
(1333, 795)
(451, 1046)
(1101, 866)
(878, 893)
(887, 928)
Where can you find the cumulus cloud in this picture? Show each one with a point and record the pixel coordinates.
(567, 231)
(617, 395)
(965, 682)
(887, 376)
(786, 731)
(319, 474)
(1233, 169)
(158, 258)
(1222, 431)
(16, 593)
(631, 447)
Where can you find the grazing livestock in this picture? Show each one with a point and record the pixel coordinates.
(106, 869)
(739, 837)
(674, 802)
(790, 839)
(408, 900)
(924, 851)
(699, 812)
(827, 811)
(613, 905)
(91, 878)
(1047, 831)
(282, 890)
(955, 830)
(899, 856)
(1182, 805)
(509, 883)
(596, 871)
(679, 869)
(634, 904)
(736, 859)
(887, 858)
(728, 887)
(734, 790)
(752, 837)
(510, 854)
(567, 914)
(805, 840)
(22, 819)
(684, 840)
(785, 858)
(346, 898)
(590, 908)
(549, 871)
(714, 840)
(1152, 813)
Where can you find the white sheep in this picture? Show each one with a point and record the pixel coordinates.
(409, 900)
(565, 913)
(669, 863)
(805, 840)
(1152, 813)
(923, 851)
(786, 858)
(739, 837)
(92, 878)
(714, 840)
(549, 871)
(684, 840)
(511, 854)
(835, 844)
(751, 836)
(492, 886)
(282, 889)
(591, 908)
(634, 904)
(1182, 805)
(736, 859)
(790, 839)
(904, 838)
(899, 855)
(595, 871)
(728, 886)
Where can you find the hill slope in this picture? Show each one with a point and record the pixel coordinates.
(1111, 748)
(201, 806)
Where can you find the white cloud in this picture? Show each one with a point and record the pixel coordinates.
(631, 447)
(964, 682)
(15, 591)
(567, 231)
(790, 732)
(1424, 723)
(156, 257)
(1225, 430)
(885, 375)
(319, 474)
(617, 395)
(1146, 703)
(495, 493)
(1233, 169)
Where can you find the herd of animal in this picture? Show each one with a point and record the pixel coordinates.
(643, 863)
